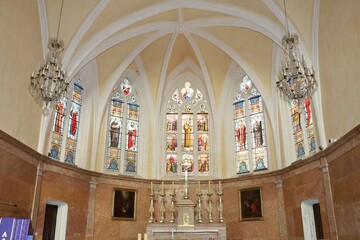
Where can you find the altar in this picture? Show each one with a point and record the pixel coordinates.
(186, 222)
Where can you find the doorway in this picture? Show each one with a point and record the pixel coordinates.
(55, 221)
(311, 218)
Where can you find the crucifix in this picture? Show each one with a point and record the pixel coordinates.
(186, 165)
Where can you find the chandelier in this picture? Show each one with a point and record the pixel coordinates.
(49, 81)
(296, 80)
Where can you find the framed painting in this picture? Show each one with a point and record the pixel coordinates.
(124, 204)
(250, 204)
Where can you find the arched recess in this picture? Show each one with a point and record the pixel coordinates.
(232, 81)
(89, 80)
(165, 88)
(137, 83)
(177, 82)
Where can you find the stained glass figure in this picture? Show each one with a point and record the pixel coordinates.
(188, 158)
(187, 92)
(246, 84)
(203, 163)
(202, 122)
(74, 121)
(171, 163)
(132, 128)
(58, 129)
(240, 133)
(126, 88)
(297, 129)
(309, 125)
(187, 130)
(131, 135)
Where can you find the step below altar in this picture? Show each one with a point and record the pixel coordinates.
(203, 231)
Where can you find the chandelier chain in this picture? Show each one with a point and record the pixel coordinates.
(58, 29)
(286, 18)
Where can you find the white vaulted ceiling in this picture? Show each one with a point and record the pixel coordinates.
(165, 33)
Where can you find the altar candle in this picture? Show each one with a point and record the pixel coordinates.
(151, 188)
(199, 186)
(145, 236)
(209, 186)
(162, 187)
(139, 236)
(219, 186)
(173, 188)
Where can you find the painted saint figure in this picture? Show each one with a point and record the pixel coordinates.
(308, 111)
(241, 135)
(114, 132)
(187, 137)
(73, 127)
(131, 137)
(257, 128)
(60, 113)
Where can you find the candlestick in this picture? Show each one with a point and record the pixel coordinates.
(209, 186)
(221, 218)
(151, 188)
(210, 217)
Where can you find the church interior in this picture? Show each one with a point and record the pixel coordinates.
(181, 119)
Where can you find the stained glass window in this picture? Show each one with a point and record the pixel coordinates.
(123, 130)
(297, 129)
(132, 135)
(304, 138)
(257, 131)
(187, 133)
(73, 123)
(115, 132)
(249, 129)
(58, 128)
(309, 126)
(171, 142)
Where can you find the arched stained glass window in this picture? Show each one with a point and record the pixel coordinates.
(301, 115)
(249, 129)
(187, 133)
(122, 143)
(74, 122)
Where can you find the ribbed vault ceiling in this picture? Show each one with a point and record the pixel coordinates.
(166, 33)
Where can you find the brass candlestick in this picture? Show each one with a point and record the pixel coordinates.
(172, 208)
(151, 208)
(210, 207)
(162, 208)
(221, 218)
(199, 194)
(186, 193)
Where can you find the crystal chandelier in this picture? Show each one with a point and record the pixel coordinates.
(49, 81)
(296, 80)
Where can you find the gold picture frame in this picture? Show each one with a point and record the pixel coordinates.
(251, 208)
(124, 204)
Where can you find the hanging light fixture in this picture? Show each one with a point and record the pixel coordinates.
(49, 81)
(296, 80)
